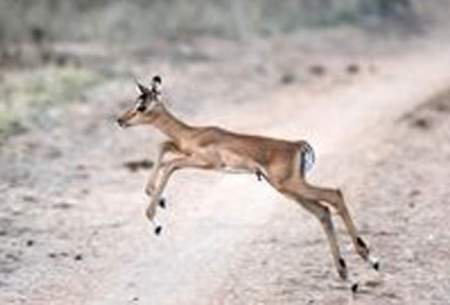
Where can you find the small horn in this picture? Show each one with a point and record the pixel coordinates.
(156, 84)
(157, 79)
(142, 88)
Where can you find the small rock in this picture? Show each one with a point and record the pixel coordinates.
(287, 78)
(317, 70)
(422, 123)
(414, 193)
(12, 257)
(133, 166)
(30, 243)
(442, 107)
(78, 257)
(352, 69)
(80, 167)
(373, 283)
(29, 198)
(63, 205)
(54, 153)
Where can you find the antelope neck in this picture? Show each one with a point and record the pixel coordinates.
(170, 125)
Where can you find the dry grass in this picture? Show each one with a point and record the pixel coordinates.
(25, 97)
(138, 19)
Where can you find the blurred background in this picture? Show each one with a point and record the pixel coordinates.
(133, 21)
(365, 81)
(85, 42)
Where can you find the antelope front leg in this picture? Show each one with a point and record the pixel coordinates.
(167, 169)
(164, 148)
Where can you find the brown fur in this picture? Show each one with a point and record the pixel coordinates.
(214, 148)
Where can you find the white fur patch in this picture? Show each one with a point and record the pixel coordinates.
(307, 158)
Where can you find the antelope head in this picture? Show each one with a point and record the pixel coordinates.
(146, 106)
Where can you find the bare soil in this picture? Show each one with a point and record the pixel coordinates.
(72, 227)
(399, 187)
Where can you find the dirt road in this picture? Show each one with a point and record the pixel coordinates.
(73, 224)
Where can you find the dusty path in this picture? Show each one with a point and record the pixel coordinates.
(402, 201)
(100, 249)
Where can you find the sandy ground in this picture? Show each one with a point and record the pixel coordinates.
(398, 189)
(72, 228)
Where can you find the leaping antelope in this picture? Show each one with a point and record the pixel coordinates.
(283, 164)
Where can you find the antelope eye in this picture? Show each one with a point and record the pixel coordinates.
(141, 108)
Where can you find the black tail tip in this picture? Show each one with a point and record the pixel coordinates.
(158, 230)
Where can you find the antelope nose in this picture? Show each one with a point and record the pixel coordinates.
(121, 122)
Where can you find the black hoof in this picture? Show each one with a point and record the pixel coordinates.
(162, 203)
(361, 243)
(158, 230)
(376, 266)
(342, 270)
(355, 287)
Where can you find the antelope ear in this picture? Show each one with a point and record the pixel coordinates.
(142, 88)
(157, 79)
(156, 84)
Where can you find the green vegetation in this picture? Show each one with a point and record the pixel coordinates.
(36, 25)
(139, 20)
(26, 93)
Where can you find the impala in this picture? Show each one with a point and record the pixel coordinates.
(283, 164)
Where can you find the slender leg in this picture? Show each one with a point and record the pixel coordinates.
(335, 198)
(324, 216)
(167, 169)
(164, 148)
